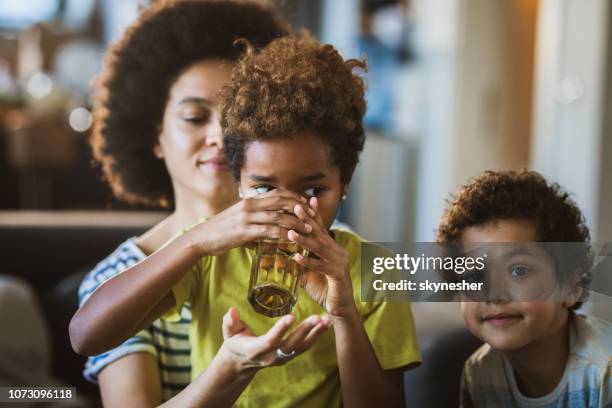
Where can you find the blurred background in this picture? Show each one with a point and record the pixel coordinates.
(455, 87)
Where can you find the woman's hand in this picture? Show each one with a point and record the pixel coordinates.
(268, 215)
(249, 351)
(326, 278)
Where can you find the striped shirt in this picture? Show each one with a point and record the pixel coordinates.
(167, 341)
(488, 379)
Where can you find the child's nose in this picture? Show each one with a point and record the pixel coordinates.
(496, 292)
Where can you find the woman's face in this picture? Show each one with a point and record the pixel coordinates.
(302, 165)
(190, 141)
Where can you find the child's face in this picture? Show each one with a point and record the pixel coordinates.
(302, 165)
(503, 323)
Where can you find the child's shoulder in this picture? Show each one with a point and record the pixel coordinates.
(593, 340)
(351, 241)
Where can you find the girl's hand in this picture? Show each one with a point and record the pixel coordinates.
(326, 278)
(249, 351)
(267, 215)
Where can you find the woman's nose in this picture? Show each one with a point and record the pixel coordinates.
(214, 134)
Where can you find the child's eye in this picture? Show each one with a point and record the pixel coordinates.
(263, 189)
(313, 191)
(473, 276)
(519, 271)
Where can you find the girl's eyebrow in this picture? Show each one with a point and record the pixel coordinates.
(269, 179)
(313, 177)
(262, 179)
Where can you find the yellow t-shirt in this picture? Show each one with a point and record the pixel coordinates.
(311, 379)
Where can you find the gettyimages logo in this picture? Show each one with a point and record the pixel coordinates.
(526, 271)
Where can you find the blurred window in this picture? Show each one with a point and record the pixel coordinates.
(20, 14)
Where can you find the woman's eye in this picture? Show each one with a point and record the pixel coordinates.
(519, 271)
(313, 191)
(196, 117)
(263, 189)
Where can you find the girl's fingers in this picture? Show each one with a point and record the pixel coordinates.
(310, 216)
(286, 221)
(314, 204)
(275, 200)
(259, 231)
(315, 244)
(282, 193)
(310, 263)
(301, 214)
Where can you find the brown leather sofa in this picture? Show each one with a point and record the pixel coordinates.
(52, 252)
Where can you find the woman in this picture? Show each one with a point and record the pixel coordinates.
(157, 138)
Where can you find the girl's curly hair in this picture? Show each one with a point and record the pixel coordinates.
(295, 85)
(499, 195)
(139, 70)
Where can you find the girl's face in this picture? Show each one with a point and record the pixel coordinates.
(190, 141)
(302, 165)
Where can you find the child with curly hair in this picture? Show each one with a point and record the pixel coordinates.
(538, 351)
(292, 119)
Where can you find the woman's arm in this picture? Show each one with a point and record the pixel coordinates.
(131, 381)
(132, 300)
(134, 380)
(242, 355)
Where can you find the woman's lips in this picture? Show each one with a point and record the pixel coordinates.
(214, 164)
(501, 319)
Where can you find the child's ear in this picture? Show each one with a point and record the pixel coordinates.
(572, 298)
(573, 292)
(344, 190)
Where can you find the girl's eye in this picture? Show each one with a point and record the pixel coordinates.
(263, 189)
(519, 271)
(313, 191)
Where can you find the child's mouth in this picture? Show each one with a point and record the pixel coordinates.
(501, 319)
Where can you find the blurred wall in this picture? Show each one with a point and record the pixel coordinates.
(477, 58)
(573, 112)
(571, 103)
(494, 86)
